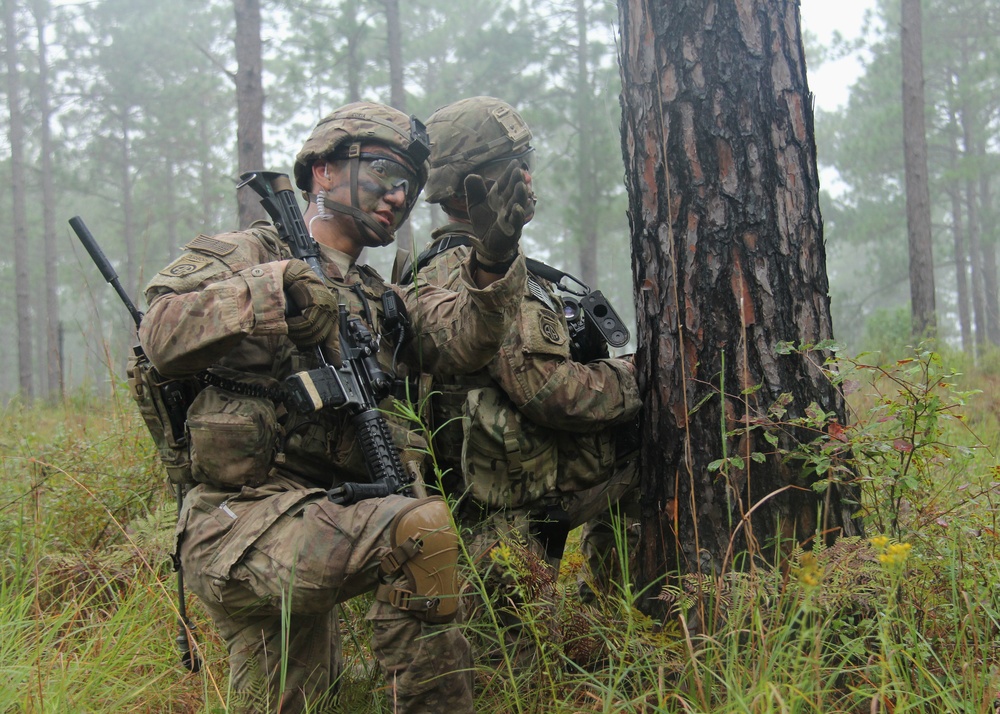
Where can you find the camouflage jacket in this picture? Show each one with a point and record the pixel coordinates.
(534, 422)
(221, 305)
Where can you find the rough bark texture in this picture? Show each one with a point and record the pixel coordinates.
(918, 198)
(728, 262)
(249, 104)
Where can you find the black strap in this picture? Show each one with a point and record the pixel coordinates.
(456, 240)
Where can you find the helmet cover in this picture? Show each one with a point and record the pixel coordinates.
(363, 122)
(468, 133)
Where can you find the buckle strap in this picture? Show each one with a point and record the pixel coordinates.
(392, 562)
(403, 599)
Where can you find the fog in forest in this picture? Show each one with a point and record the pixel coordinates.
(124, 112)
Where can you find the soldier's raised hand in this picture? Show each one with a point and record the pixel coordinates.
(497, 216)
(312, 305)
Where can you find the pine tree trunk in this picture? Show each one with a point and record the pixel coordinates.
(53, 349)
(249, 104)
(586, 176)
(989, 251)
(961, 270)
(352, 30)
(728, 262)
(22, 275)
(918, 199)
(397, 94)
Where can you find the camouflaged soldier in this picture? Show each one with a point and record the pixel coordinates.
(530, 440)
(260, 542)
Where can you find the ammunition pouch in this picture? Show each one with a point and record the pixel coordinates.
(507, 460)
(425, 551)
(233, 438)
(163, 404)
(585, 459)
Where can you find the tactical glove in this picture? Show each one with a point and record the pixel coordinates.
(312, 306)
(497, 216)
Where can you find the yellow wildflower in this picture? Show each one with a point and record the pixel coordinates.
(501, 553)
(810, 574)
(895, 554)
(879, 542)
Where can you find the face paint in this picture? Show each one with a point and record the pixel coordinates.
(389, 175)
(377, 190)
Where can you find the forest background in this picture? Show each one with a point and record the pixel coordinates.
(128, 109)
(125, 112)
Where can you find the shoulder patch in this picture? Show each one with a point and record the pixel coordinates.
(185, 265)
(215, 246)
(548, 326)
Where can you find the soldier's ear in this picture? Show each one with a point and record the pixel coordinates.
(321, 176)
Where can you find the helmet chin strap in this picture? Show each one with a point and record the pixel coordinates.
(362, 220)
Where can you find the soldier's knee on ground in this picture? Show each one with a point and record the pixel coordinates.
(421, 570)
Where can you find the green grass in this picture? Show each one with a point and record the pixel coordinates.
(908, 623)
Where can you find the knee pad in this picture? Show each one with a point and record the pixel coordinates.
(425, 552)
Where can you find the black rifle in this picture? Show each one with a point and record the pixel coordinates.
(176, 396)
(360, 384)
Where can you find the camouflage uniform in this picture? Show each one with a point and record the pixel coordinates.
(258, 538)
(535, 428)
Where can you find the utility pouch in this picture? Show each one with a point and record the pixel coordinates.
(585, 459)
(233, 438)
(163, 404)
(507, 460)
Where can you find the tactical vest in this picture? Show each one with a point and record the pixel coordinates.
(505, 460)
(237, 427)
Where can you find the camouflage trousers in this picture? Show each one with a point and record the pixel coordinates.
(270, 564)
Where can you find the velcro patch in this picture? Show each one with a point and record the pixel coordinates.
(211, 245)
(185, 265)
(548, 325)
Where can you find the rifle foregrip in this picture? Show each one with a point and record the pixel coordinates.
(349, 493)
(376, 444)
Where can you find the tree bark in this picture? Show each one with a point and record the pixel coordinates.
(989, 254)
(728, 262)
(249, 104)
(959, 243)
(961, 271)
(397, 94)
(972, 214)
(352, 30)
(586, 175)
(53, 350)
(918, 199)
(22, 276)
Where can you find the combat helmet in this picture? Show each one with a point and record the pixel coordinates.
(467, 134)
(363, 122)
(343, 131)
